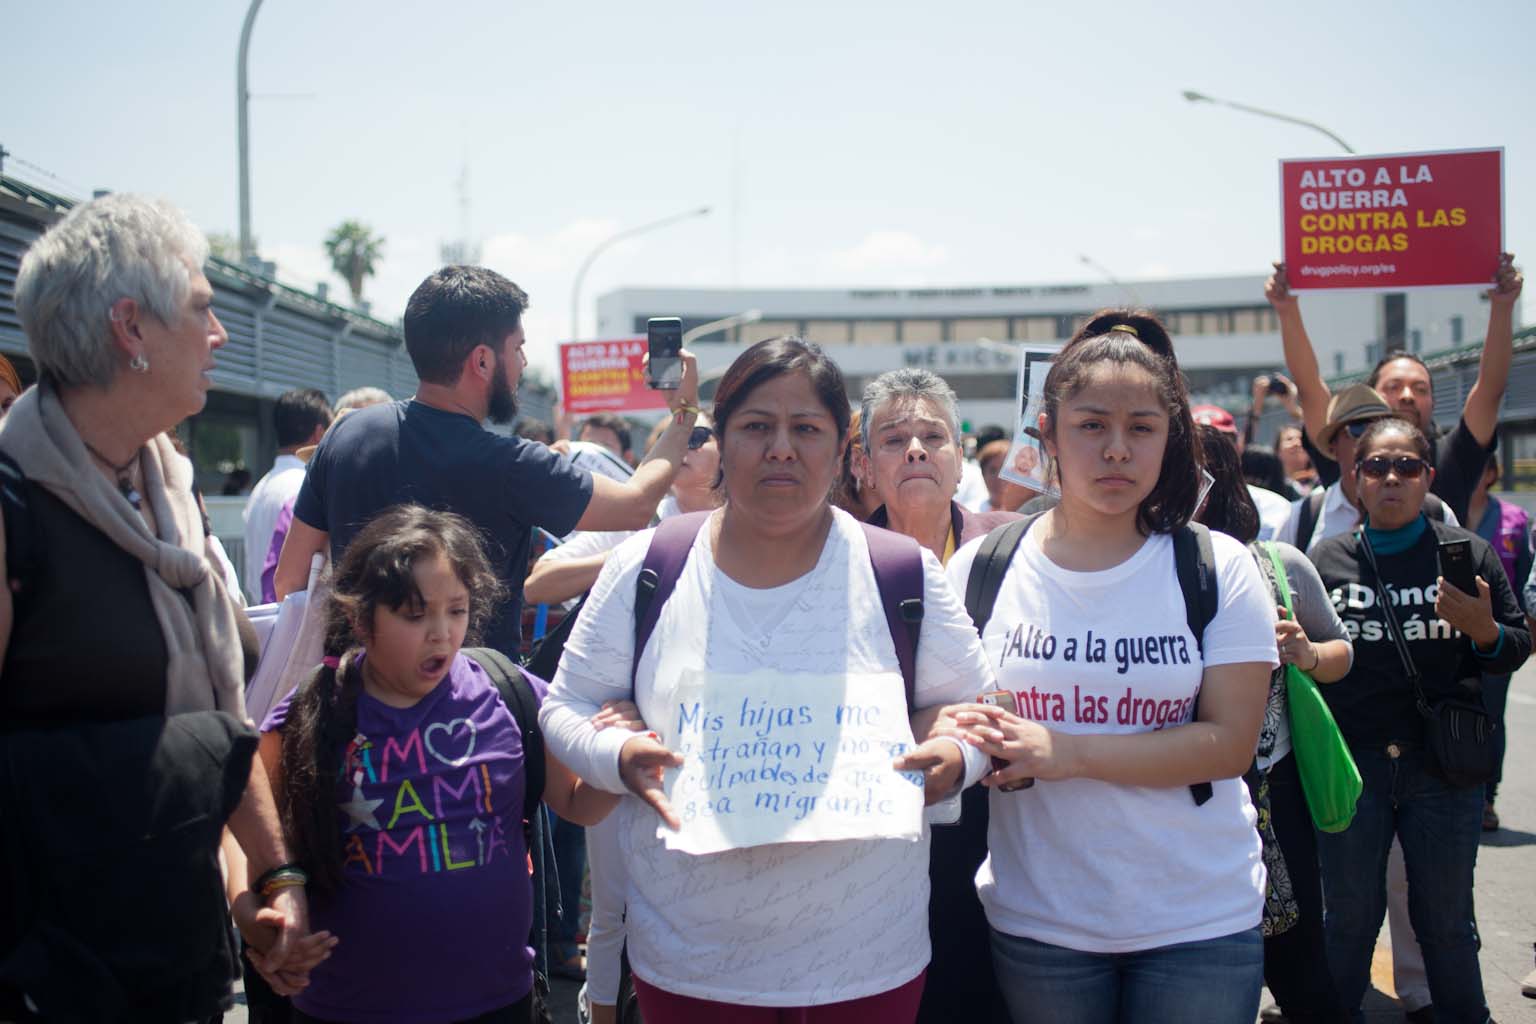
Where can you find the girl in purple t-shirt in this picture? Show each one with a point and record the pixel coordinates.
(399, 776)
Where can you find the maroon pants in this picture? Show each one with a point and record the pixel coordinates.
(895, 1006)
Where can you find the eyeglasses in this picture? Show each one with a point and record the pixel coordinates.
(699, 437)
(1407, 467)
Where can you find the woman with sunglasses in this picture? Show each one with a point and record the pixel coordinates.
(1452, 638)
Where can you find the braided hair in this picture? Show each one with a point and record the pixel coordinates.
(377, 570)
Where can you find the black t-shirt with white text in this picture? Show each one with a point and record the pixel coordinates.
(1374, 704)
(385, 455)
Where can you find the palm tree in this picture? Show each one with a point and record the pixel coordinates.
(354, 250)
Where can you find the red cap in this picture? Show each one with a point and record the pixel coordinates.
(1214, 416)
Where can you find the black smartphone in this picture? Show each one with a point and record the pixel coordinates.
(664, 340)
(1007, 701)
(1277, 385)
(1456, 565)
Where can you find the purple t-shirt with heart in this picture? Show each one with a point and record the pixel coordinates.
(434, 914)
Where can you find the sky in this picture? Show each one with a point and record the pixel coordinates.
(838, 144)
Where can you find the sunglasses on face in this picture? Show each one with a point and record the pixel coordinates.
(699, 437)
(1407, 467)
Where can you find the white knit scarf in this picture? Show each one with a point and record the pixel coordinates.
(206, 666)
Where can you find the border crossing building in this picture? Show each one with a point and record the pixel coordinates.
(1224, 330)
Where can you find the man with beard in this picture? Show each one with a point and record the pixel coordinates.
(463, 329)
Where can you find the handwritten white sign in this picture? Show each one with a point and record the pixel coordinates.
(776, 758)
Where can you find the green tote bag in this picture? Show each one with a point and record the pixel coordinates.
(1329, 777)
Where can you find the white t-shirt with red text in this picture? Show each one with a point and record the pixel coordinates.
(1098, 866)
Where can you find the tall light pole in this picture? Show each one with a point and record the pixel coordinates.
(1089, 262)
(586, 264)
(1394, 305)
(243, 104)
(725, 323)
(1200, 97)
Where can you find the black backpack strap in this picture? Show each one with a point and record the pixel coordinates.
(517, 694)
(1311, 511)
(544, 659)
(1194, 559)
(1434, 508)
(897, 561)
(20, 547)
(990, 566)
(516, 690)
(664, 561)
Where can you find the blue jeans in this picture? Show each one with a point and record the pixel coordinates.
(1214, 981)
(1438, 827)
(1495, 700)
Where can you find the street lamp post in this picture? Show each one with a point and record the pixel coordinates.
(1200, 97)
(586, 264)
(751, 316)
(1394, 305)
(243, 103)
(1092, 264)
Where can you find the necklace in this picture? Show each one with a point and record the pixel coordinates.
(124, 484)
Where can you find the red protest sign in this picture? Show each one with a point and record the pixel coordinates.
(605, 376)
(1403, 220)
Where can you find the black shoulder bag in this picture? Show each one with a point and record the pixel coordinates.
(1457, 733)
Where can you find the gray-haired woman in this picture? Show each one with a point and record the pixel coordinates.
(126, 743)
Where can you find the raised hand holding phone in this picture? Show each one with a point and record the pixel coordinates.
(664, 352)
(1464, 599)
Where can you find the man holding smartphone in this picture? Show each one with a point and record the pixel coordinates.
(463, 330)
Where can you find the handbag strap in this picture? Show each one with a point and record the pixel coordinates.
(1393, 629)
(1282, 583)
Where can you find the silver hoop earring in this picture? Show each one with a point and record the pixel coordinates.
(138, 364)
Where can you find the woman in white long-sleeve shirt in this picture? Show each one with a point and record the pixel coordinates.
(776, 580)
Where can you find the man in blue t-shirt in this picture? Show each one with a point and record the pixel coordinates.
(463, 330)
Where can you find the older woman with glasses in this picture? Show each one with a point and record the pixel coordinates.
(910, 459)
(1450, 636)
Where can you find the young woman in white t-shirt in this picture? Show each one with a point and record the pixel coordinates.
(1112, 895)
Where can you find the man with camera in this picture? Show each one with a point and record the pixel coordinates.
(463, 330)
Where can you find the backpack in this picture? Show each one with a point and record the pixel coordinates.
(896, 559)
(1194, 560)
(517, 694)
(1312, 512)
